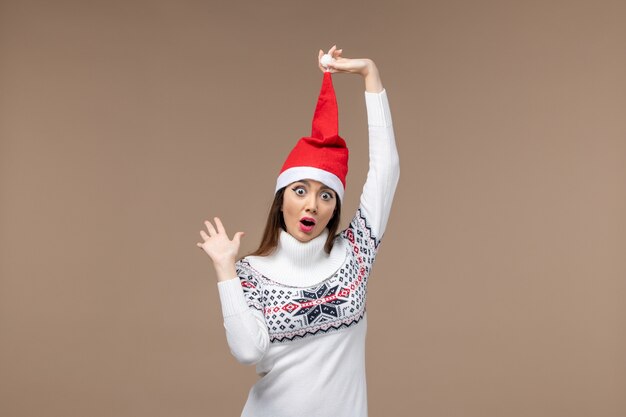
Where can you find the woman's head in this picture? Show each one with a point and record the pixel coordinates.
(293, 210)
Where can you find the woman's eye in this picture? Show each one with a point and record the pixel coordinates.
(299, 190)
(327, 196)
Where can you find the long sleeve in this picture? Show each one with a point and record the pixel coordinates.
(246, 331)
(384, 166)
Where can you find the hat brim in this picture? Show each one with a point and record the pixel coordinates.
(299, 173)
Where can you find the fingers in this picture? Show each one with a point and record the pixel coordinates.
(210, 228)
(238, 236)
(336, 55)
(204, 237)
(319, 60)
(331, 52)
(217, 230)
(334, 52)
(220, 226)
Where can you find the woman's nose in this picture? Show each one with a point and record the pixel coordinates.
(311, 205)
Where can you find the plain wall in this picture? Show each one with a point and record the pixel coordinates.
(499, 287)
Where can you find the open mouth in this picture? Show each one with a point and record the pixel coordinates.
(307, 224)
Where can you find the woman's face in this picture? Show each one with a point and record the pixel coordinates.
(308, 206)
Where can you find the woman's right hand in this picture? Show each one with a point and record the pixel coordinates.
(222, 251)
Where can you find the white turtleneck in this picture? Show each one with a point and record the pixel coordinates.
(326, 349)
(300, 264)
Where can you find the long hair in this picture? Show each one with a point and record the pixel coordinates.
(275, 223)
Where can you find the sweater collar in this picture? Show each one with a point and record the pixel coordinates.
(301, 254)
(301, 263)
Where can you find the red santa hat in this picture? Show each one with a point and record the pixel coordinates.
(323, 156)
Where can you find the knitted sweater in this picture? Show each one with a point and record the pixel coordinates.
(299, 314)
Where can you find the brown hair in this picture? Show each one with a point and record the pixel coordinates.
(276, 222)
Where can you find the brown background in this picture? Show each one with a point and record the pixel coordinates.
(499, 289)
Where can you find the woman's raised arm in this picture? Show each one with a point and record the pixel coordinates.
(384, 166)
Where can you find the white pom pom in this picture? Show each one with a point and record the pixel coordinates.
(326, 59)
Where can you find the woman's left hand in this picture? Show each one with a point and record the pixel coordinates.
(363, 66)
(348, 65)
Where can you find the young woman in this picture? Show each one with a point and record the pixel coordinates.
(296, 307)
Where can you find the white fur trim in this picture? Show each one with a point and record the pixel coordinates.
(300, 173)
(326, 59)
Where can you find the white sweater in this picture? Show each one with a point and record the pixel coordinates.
(299, 314)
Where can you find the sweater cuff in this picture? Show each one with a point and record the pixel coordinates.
(378, 112)
(232, 297)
